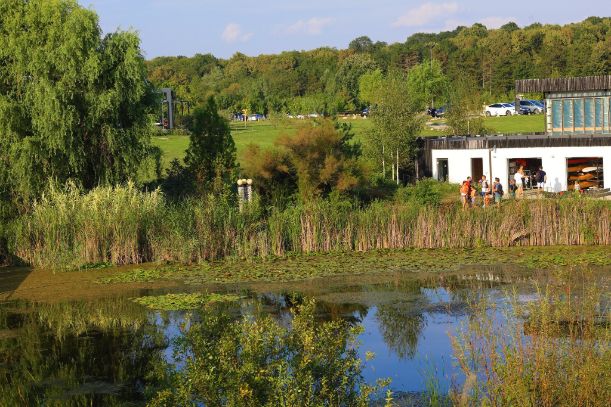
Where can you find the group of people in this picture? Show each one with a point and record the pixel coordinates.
(488, 193)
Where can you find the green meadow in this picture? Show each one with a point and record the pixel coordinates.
(266, 132)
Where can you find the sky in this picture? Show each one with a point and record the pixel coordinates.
(224, 27)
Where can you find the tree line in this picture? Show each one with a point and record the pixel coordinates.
(326, 80)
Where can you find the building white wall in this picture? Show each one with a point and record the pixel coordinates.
(553, 161)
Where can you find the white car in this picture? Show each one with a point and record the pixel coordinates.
(499, 109)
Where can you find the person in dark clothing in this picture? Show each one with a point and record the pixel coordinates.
(498, 191)
(540, 179)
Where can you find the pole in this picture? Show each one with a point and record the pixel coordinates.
(490, 164)
(397, 166)
(383, 162)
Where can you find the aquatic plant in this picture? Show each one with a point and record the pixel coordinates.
(176, 302)
(552, 351)
(316, 265)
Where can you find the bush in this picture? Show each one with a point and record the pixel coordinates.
(427, 192)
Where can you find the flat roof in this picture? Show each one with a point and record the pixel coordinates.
(567, 84)
(517, 141)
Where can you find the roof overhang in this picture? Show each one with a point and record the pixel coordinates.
(574, 84)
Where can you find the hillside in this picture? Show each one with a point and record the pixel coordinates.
(325, 80)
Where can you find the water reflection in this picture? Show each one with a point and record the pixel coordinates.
(112, 351)
(97, 353)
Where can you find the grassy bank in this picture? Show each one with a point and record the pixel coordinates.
(123, 225)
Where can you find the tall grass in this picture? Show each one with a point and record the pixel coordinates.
(123, 225)
(553, 351)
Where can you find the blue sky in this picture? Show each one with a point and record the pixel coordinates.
(223, 27)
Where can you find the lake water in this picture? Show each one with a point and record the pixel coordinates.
(101, 349)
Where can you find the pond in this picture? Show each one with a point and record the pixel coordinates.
(111, 349)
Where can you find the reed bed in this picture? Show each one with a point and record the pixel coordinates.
(123, 225)
(551, 351)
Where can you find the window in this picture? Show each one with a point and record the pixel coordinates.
(578, 115)
(567, 115)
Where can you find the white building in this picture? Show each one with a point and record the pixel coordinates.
(575, 149)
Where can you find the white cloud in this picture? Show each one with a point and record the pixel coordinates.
(425, 13)
(313, 26)
(233, 33)
(496, 22)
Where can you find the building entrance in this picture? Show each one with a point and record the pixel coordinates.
(442, 169)
(529, 167)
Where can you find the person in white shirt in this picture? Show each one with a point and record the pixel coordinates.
(518, 176)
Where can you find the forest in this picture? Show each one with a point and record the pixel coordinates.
(326, 80)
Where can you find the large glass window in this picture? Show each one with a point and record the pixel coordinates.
(567, 115)
(556, 116)
(589, 114)
(578, 115)
(598, 114)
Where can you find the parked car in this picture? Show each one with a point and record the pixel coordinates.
(499, 109)
(532, 105)
(365, 112)
(313, 115)
(440, 111)
(256, 117)
(522, 110)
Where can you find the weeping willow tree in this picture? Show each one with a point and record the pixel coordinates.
(73, 103)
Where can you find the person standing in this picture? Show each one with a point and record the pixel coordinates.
(498, 191)
(541, 179)
(464, 191)
(485, 189)
(512, 188)
(518, 178)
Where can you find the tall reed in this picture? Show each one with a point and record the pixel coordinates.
(552, 351)
(122, 225)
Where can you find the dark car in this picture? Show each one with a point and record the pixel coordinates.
(523, 110)
(436, 111)
(365, 112)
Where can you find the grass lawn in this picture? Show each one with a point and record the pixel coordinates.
(265, 133)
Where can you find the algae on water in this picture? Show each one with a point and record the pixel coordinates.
(178, 302)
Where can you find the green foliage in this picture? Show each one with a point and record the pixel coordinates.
(464, 109)
(396, 122)
(426, 192)
(259, 362)
(211, 156)
(370, 86)
(551, 351)
(73, 105)
(122, 225)
(428, 84)
(319, 158)
(490, 58)
(177, 302)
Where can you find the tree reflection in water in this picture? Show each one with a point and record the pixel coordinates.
(86, 353)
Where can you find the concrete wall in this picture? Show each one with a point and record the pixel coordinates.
(553, 160)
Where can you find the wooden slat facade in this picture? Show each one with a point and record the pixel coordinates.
(574, 84)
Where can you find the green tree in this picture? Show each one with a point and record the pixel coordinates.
(397, 120)
(211, 156)
(349, 72)
(73, 105)
(464, 110)
(370, 85)
(428, 84)
(324, 159)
